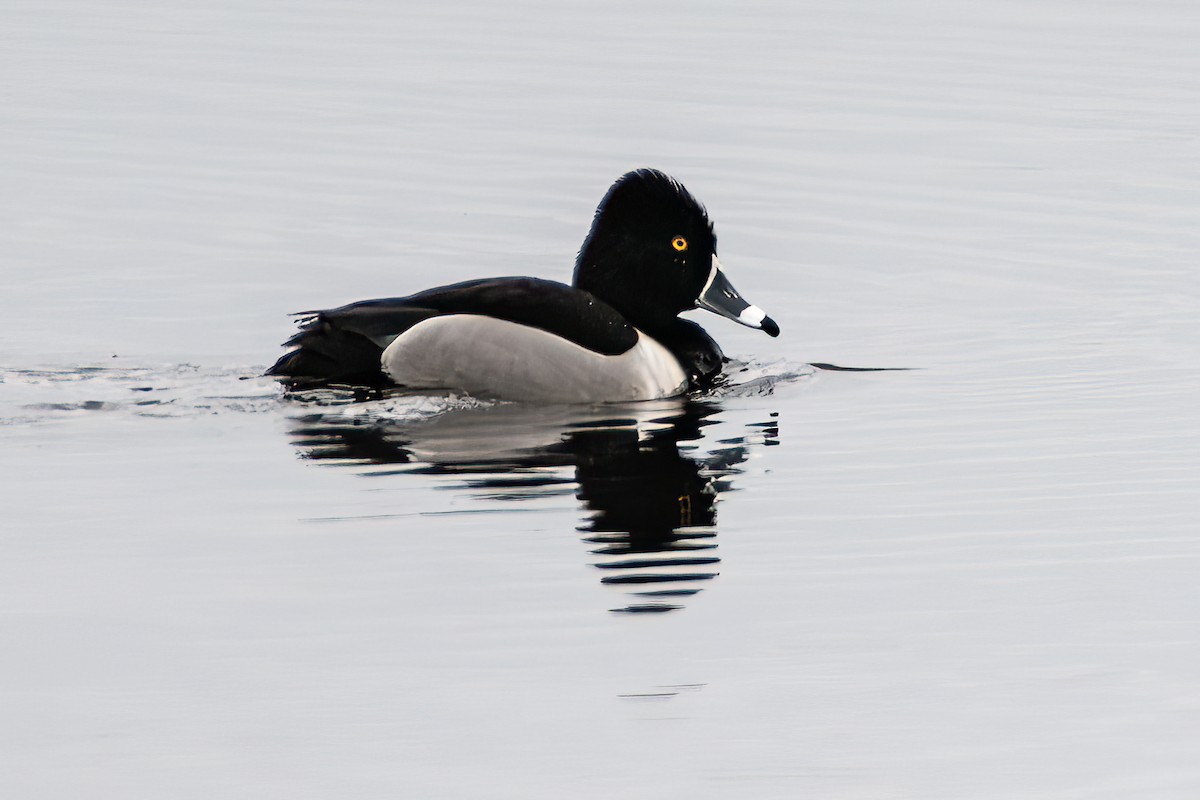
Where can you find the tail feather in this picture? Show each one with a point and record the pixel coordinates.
(325, 352)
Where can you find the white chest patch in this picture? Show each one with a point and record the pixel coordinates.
(492, 358)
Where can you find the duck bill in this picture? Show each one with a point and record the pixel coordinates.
(720, 297)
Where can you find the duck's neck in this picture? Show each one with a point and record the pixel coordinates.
(642, 310)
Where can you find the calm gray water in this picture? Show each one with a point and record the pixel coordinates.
(974, 579)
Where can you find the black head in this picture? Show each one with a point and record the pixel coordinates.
(650, 247)
(651, 254)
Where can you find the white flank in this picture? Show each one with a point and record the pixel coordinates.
(488, 357)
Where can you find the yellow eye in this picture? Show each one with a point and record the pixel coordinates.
(679, 243)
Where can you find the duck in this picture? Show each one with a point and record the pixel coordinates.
(613, 335)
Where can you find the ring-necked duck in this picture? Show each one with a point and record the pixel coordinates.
(614, 335)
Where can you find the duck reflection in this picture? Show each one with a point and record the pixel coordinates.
(647, 487)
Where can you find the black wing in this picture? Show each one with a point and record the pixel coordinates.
(344, 345)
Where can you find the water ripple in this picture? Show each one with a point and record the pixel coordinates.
(647, 476)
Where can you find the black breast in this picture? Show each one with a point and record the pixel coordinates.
(696, 351)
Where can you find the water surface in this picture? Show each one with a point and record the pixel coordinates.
(972, 579)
